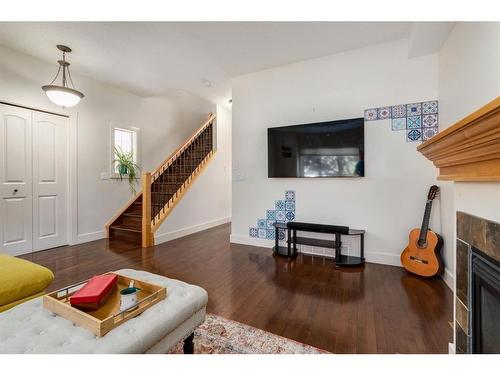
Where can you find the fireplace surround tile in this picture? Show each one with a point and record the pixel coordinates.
(463, 226)
(484, 236)
(492, 246)
(478, 233)
(462, 280)
(460, 340)
(462, 315)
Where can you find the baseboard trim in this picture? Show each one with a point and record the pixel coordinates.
(164, 237)
(169, 236)
(449, 279)
(91, 236)
(383, 258)
(451, 348)
(245, 240)
(372, 257)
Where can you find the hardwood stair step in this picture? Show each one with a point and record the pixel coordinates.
(132, 214)
(126, 228)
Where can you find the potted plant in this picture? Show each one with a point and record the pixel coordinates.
(124, 161)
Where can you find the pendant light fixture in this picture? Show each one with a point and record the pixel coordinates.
(63, 95)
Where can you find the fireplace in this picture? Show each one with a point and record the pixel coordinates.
(477, 303)
(485, 304)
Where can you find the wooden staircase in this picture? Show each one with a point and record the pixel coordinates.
(163, 188)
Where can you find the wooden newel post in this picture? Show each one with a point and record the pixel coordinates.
(147, 236)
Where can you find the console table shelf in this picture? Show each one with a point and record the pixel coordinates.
(293, 240)
(314, 242)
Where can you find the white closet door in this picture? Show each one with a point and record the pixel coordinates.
(49, 180)
(15, 180)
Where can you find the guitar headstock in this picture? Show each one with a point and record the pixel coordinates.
(433, 192)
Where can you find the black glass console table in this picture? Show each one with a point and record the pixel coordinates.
(292, 240)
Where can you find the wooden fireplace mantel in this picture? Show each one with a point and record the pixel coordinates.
(470, 149)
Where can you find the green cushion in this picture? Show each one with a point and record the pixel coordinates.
(20, 278)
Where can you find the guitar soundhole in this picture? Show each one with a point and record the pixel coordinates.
(421, 244)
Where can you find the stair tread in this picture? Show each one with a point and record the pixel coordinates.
(132, 214)
(126, 228)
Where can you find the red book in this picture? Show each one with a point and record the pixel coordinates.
(95, 292)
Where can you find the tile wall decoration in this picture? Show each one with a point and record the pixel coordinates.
(419, 120)
(398, 123)
(413, 135)
(283, 211)
(383, 113)
(428, 133)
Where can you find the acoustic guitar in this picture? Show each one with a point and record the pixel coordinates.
(422, 255)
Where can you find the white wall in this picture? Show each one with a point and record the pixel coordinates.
(164, 123)
(390, 200)
(469, 77)
(208, 202)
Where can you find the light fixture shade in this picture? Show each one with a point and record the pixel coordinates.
(63, 96)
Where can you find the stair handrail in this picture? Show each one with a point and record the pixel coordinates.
(149, 224)
(174, 155)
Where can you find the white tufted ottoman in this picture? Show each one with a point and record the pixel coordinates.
(29, 328)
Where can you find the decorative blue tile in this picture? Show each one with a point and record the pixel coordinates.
(284, 211)
(253, 232)
(281, 234)
(271, 215)
(280, 205)
(429, 121)
(399, 111)
(428, 133)
(414, 122)
(414, 109)
(414, 135)
(383, 113)
(398, 123)
(430, 107)
(371, 114)
(280, 216)
(271, 234)
(270, 224)
(290, 205)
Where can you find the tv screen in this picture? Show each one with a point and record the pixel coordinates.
(322, 149)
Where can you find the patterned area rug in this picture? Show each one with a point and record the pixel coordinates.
(218, 335)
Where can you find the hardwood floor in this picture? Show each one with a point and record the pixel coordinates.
(376, 309)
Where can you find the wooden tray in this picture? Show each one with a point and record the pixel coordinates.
(109, 315)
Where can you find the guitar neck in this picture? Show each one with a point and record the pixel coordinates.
(425, 222)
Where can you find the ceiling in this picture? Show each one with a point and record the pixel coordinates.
(156, 58)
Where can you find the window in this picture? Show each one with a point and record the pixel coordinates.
(125, 139)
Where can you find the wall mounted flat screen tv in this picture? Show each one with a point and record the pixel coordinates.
(323, 149)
